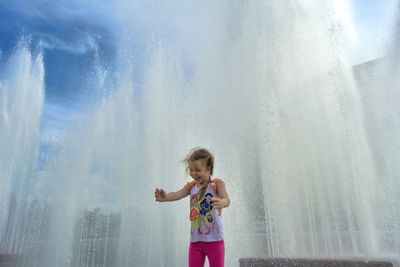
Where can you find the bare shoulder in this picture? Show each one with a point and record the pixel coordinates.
(218, 181)
(189, 185)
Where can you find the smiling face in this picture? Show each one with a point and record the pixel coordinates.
(199, 171)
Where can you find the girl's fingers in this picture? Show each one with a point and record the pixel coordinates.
(215, 200)
(157, 194)
(217, 203)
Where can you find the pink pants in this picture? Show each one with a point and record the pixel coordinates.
(215, 252)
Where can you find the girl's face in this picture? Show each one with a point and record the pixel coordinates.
(199, 171)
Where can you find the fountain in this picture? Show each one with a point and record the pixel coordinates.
(307, 144)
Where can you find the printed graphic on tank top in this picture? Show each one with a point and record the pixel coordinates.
(206, 223)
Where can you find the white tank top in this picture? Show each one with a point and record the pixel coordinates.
(206, 221)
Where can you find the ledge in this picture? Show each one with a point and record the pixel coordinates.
(8, 257)
(310, 262)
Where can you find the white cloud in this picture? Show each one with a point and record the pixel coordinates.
(77, 46)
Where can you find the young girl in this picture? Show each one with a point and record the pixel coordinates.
(207, 198)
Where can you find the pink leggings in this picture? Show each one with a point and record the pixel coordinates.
(215, 252)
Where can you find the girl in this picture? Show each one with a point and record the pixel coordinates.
(207, 198)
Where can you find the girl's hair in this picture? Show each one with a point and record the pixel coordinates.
(204, 155)
(200, 154)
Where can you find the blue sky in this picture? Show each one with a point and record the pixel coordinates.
(373, 22)
(74, 34)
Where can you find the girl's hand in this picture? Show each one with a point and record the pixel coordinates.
(218, 203)
(160, 195)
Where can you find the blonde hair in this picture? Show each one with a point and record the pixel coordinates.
(200, 154)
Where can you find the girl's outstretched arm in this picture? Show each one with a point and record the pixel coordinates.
(222, 201)
(162, 196)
